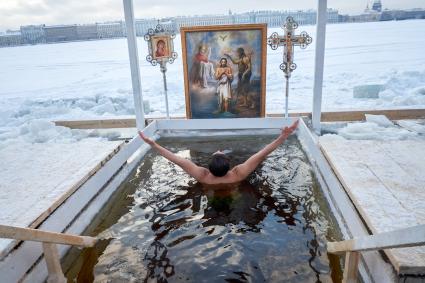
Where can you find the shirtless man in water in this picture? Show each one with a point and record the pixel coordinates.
(219, 171)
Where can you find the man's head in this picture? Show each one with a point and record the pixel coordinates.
(219, 164)
(223, 62)
(241, 52)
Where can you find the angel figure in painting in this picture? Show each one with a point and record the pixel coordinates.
(202, 69)
(224, 76)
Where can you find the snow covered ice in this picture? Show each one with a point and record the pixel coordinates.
(80, 80)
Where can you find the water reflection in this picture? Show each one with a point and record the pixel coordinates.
(269, 228)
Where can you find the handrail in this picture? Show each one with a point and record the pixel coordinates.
(50, 250)
(402, 238)
(28, 234)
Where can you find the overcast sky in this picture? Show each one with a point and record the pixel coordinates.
(14, 13)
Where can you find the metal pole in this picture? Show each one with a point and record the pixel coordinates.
(134, 63)
(163, 68)
(319, 62)
(286, 97)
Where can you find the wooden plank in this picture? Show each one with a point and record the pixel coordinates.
(57, 188)
(333, 116)
(28, 234)
(359, 115)
(98, 124)
(74, 187)
(350, 268)
(350, 222)
(374, 193)
(54, 268)
(409, 237)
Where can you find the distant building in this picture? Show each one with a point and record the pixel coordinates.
(366, 17)
(369, 15)
(110, 29)
(87, 32)
(142, 26)
(10, 38)
(61, 33)
(33, 34)
(398, 15)
(377, 6)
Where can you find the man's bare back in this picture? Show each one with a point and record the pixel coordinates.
(219, 172)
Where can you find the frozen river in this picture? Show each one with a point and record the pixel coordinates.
(92, 79)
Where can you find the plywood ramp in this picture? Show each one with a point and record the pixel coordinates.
(38, 178)
(386, 182)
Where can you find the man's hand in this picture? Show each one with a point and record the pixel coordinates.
(146, 139)
(287, 131)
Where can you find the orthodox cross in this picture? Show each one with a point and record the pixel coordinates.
(288, 41)
(161, 51)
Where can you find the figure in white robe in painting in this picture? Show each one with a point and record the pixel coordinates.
(202, 69)
(224, 76)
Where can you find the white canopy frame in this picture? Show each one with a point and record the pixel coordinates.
(318, 72)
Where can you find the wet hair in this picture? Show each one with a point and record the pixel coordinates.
(219, 165)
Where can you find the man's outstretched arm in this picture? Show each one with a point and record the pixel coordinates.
(244, 169)
(188, 166)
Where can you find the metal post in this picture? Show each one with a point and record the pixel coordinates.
(134, 63)
(286, 97)
(163, 69)
(318, 63)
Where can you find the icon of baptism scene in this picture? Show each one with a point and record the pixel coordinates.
(224, 68)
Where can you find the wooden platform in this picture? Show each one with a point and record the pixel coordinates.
(38, 178)
(386, 182)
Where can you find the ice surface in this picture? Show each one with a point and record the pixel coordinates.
(91, 79)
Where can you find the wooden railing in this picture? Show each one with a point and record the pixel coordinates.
(49, 241)
(408, 237)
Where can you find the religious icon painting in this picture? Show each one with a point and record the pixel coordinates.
(224, 70)
(160, 46)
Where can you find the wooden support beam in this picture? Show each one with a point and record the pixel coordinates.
(98, 124)
(338, 116)
(403, 238)
(51, 255)
(350, 268)
(28, 234)
(359, 115)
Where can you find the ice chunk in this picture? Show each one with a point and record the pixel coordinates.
(367, 91)
(372, 131)
(380, 120)
(412, 126)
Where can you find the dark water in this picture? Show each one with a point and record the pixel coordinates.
(270, 228)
